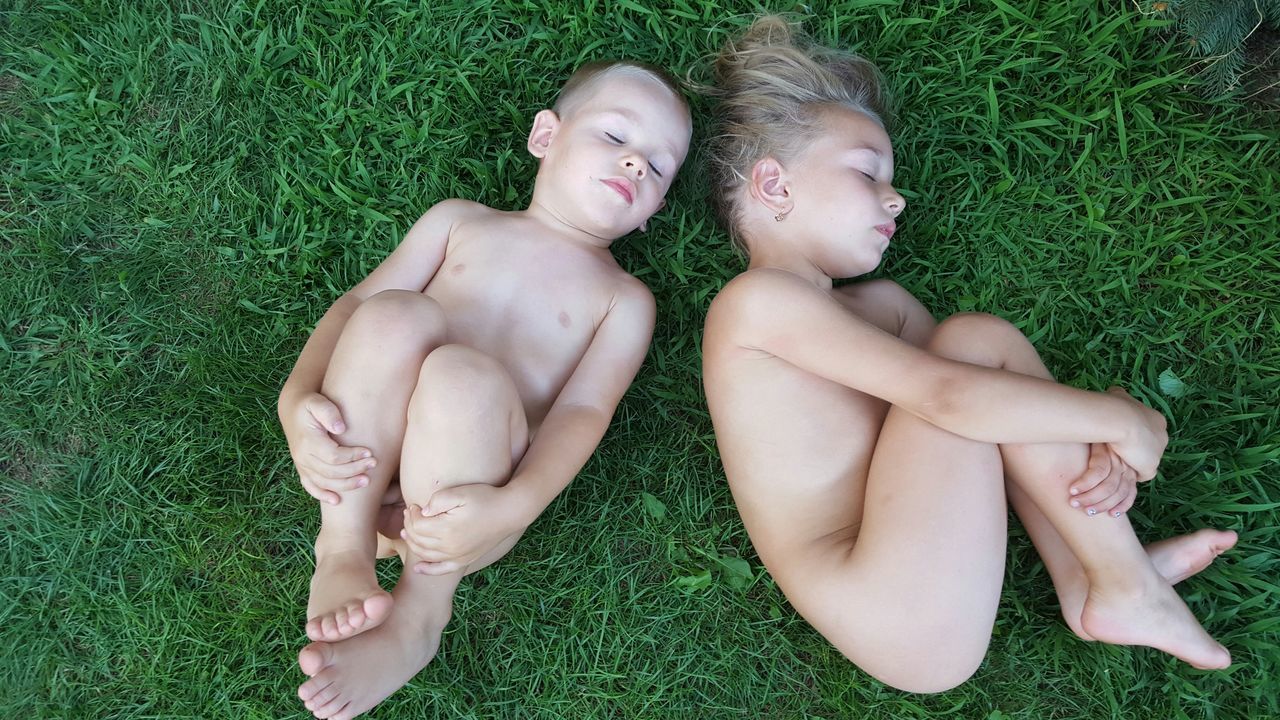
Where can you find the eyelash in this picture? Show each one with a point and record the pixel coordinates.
(868, 176)
(619, 141)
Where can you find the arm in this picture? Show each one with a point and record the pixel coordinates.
(582, 411)
(410, 267)
(309, 418)
(462, 525)
(790, 319)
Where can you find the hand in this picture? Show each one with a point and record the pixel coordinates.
(1107, 486)
(325, 467)
(1147, 439)
(458, 526)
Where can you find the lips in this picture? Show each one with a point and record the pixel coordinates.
(888, 229)
(623, 187)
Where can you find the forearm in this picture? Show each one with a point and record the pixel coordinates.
(308, 372)
(1001, 406)
(563, 444)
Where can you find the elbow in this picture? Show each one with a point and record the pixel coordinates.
(944, 393)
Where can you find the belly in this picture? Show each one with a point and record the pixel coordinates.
(538, 351)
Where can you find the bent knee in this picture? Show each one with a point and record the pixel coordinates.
(401, 314)
(457, 377)
(976, 338)
(926, 669)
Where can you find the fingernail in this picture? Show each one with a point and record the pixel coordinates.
(373, 463)
(404, 534)
(1075, 491)
(365, 454)
(1091, 512)
(1075, 503)
(340, 427)
(363, 481)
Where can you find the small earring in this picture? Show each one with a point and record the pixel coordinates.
(780, 217)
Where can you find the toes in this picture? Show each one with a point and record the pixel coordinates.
(377, 608)
(322, 698)
(334, 710)
(330, 708)
(346, 713)
(308, 691)
(314, 658)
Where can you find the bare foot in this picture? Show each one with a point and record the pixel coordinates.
(1175, 558)
(1150, 613)
(350, 677)
(1178, 558)
(345, 597)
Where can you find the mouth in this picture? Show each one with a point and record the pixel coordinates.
(623, 187)
(888, 229)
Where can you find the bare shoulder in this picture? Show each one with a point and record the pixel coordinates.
(450, 212)
(632, 297)
(755, 300)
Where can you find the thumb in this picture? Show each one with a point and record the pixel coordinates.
(327, 414)
(441, 502)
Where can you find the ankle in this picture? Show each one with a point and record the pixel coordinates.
(332, 545)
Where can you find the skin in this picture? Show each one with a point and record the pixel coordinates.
(480, 363)
(873, 453)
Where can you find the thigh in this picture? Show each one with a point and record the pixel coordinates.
(912, 599)
(467, 424)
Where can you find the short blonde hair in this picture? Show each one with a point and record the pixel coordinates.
(577, 87)
(773, 84)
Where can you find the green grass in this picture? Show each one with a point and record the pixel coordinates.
(185, 187)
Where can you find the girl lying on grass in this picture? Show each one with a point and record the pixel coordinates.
(872, 451)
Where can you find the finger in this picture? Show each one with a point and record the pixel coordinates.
(337, 454)
(437, 568)
(1123, 507)
(326, 414)
(1117, 390)
(340, 484)
(440, 503)
(1105, 505)
(347, 470)
(1096, 471)
(324, 496)
(423, 548)
(1100, 492)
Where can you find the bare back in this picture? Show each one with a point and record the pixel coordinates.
(796, 447)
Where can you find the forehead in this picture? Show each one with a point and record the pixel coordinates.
(848, 129)
(638, 97)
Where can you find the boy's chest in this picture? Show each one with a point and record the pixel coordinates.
(529, 306)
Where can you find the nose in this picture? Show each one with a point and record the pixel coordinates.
(633, 164)
(895, 203)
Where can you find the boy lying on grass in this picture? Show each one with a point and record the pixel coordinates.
(444, 401)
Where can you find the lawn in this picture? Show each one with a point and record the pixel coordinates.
(185, 188)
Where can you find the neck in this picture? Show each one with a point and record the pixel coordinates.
(775, 254)
(560, 225)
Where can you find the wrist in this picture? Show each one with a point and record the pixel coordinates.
(522, 508)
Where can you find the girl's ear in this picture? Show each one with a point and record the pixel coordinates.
(770, 186)
(545, 125)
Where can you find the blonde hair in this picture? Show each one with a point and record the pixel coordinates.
(576, 88)
(773, 84)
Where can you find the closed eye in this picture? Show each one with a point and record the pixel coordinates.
(617, 140)
(868, 176)
(655, 170)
